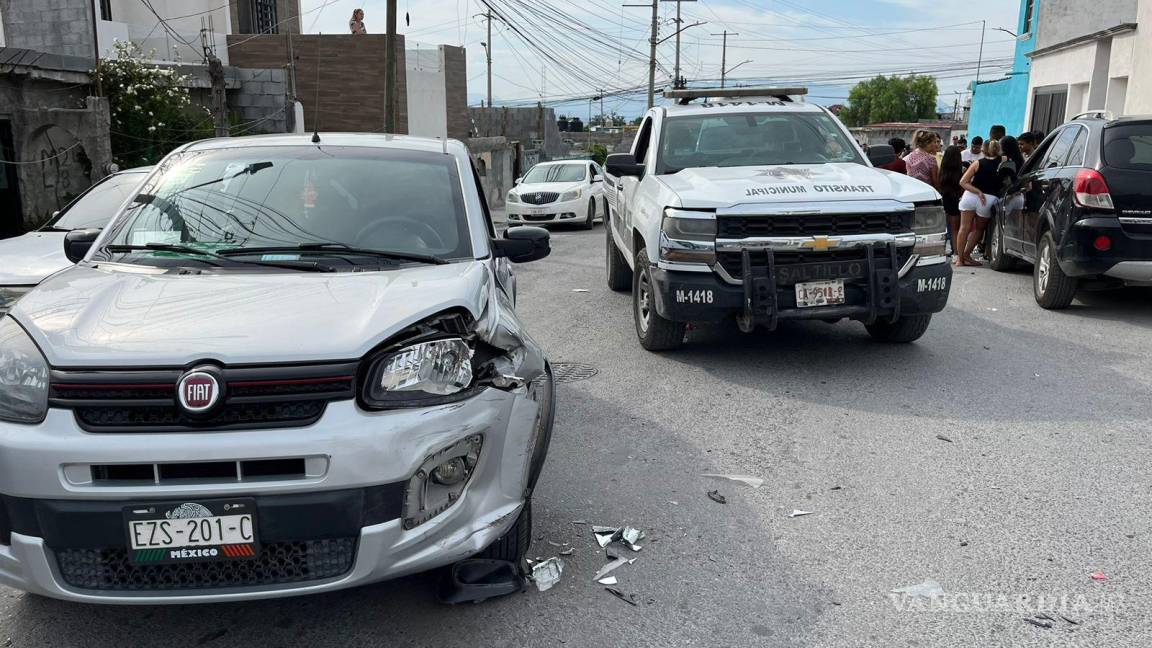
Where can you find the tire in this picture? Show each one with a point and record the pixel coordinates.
(590, 222)
(604, 213)
(619, 274)
(513, 546)
(1054, 290)
(655, 332)
(998, 260)
(906, 329)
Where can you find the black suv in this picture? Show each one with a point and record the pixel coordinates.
(1081, 210)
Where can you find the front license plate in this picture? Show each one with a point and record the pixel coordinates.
(536, 211)
(820, 293)
(200, 531)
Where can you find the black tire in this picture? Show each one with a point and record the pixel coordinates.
(1054, 290)
(604, 214)
(906, 329)
(655, 332)
(619, 274)
(590, 222)
(513, 546)
(998, 260)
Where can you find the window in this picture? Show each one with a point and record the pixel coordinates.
(1048, 108)
(643, 142)
(1129, 146)
(555, 173)
(1029, 8)
(1058, 153)
(1079, 146)
(96, 208)
(105, 9)
(264, 13)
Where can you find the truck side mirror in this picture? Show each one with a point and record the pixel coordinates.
(624, 165)
(523, 244)
(78, 242)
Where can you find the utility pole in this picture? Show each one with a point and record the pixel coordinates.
(96, 50)
(488, 49)
(980, 60)
(219, 96)
(652, 53)
(390, 88)
(678, 81)
(724, 55)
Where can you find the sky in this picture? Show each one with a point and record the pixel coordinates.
(563, 52)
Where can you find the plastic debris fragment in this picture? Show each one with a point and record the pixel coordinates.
(1038, 623)
(1098, 576)
(715, 496)
(612, 566)
(798, 513)
(609, 580)
(754, 482)
(547, 573)
(567, 552)
(630, 599)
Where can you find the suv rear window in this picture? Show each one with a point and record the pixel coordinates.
(1128, 146)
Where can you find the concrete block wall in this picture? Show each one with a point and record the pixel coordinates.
(261, 103)
(521, 124)
(53, 26)
(493, 157)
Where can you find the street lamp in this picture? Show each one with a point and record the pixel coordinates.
(724, 73)
(589, 127)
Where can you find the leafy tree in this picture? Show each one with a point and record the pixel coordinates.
(599, 153)
(891, 99)
(152, 112)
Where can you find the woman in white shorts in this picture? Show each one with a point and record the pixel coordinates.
(982, 188)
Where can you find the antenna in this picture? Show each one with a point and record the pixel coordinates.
(316, 106)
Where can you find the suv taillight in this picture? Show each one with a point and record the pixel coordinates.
(1091, 191)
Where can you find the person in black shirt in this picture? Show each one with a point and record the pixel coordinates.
(983, 187)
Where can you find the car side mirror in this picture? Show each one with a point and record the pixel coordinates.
(624, 165)
(881, 154)
(517, 181)
(78, 242)
(596, 179)
(523, 244)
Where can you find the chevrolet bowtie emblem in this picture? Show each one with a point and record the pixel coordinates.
(820, 244)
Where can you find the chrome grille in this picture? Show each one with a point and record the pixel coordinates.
(539, 197)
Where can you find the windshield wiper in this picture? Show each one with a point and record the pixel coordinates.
(184, 249)
(339, 248)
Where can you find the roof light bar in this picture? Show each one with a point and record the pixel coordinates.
(686, 95)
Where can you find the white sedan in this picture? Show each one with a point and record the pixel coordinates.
(570, 191)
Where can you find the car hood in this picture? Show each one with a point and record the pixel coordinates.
(715, 187)
(554, 187)
(134, 316)
(26, 260)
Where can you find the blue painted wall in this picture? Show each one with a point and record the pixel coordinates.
(1005, 101)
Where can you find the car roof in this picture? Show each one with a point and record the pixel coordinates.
(360, 140)
(742, 106)
(556, 162)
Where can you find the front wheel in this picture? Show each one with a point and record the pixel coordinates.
(655, 332)
(1054, 290)
(997, 259)
(513, 546)
(904, 330)
(619, 274)
(590, 222)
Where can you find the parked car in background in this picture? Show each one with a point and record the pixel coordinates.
(26, 260)
(568, 191)
(284, 368)
(1081, 210)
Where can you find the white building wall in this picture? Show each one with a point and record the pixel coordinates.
(1139, 99)
(1071, 68)
(427, 86)
(131, 20)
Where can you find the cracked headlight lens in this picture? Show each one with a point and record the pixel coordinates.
(420, 372)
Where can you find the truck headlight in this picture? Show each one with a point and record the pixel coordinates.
(512, 197)
(424, 373)
(23, 376)
(930, 225)
(688, 236)
(9, 296)
(569, 195)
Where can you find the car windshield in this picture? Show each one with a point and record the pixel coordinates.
(226, 201)
(94, 209)
(1129, 146)
(556, 173)
(753, 139)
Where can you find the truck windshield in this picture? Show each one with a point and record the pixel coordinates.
(753, 139)
(231, 199)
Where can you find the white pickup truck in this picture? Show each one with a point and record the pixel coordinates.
(756, 206)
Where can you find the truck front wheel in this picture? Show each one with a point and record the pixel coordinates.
(655, 332)
(906, 329)
(619, 274)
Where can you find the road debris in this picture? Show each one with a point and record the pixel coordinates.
(580, 290)
(567, 552)
(547, 573)
(612, 566)
(943, 438)
(798, 513)
(579, 521)
(927, 589)
(603, 534)
(1098, 576)
(836, 488)
(630, 599)
(627, 536)
(1072, 621)
(608, 580)
(715, 496)
(611, 553)
(558, 544)
(1038, 623)
(754, 482)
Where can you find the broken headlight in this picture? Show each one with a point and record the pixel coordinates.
(422, 373)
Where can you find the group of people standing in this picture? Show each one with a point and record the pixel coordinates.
(971, 180)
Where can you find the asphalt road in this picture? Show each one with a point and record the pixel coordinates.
(1043, 481)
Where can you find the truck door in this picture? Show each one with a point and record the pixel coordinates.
(626, 188)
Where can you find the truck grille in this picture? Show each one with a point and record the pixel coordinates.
(539, 197)
(738, 227)
(254, 397)
(733, 262)
(279, 563)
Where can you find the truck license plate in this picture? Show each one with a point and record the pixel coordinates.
(820, 293)
(178, 532)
